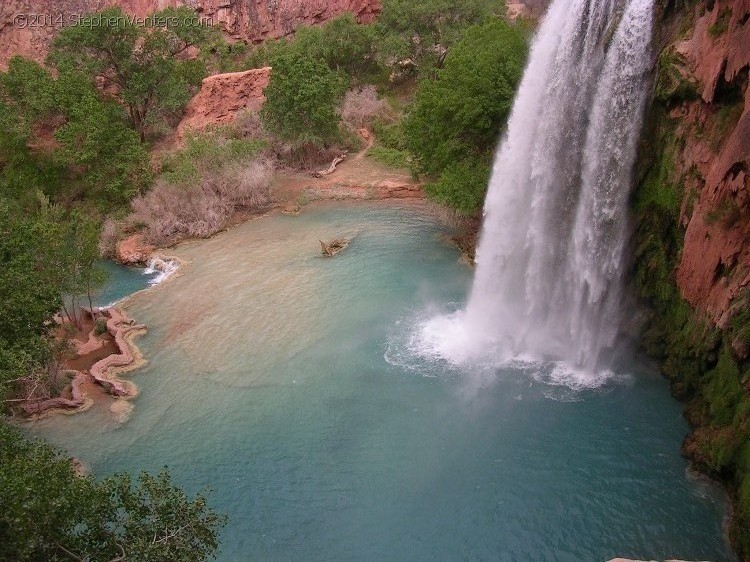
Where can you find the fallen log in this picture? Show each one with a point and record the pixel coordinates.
(333, 247)
(332, 168)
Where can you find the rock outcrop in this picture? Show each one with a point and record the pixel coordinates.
(222, 97)
(715, 160)
(27, 27)
(133, 250)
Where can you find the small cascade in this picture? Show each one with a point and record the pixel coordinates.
(161, 268)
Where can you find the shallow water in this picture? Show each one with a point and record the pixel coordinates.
(289, 384)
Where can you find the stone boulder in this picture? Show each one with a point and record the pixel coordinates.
(222, 97)
(133, 251)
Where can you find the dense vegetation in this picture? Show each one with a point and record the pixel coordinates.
(49, 512)
(457, 117)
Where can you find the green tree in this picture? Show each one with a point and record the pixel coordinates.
(423, 30)
(301, 100)
(61, 133)
(142, 65)
(456, 119)
(48, 512)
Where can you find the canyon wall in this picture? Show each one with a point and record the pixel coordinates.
(715, 160)
(692, 234)
(28, 26)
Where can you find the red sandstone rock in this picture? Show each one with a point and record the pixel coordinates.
(222, 97)
(715, 263)
(28, 26)
(721, 56)
(133, 251)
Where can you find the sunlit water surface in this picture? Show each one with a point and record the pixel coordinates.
(290, 385)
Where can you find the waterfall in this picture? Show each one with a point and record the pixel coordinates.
(550, 260)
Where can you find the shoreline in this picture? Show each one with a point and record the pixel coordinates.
(104, 374)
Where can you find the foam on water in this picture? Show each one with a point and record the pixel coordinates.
(161, 269)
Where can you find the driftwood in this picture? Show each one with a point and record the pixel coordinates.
(332, 168)
(333, 247)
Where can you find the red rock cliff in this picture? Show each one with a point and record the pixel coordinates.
(714, 132)
(28, 26)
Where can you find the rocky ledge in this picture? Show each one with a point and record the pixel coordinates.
(104, 372)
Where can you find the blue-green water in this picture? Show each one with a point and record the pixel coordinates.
(122, 281)
(288, 383)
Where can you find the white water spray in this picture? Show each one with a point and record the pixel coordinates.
(164, 269)
(550, 257)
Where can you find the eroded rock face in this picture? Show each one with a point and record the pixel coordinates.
(133, 251)
(27, 27)
(715, 264)
(222, 97)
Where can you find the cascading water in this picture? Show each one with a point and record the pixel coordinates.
(550, 257)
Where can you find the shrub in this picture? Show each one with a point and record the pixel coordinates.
(170, 212)
(361, 106)
(461, 186)
(300, 101)
(110, 234)
(100, 327)
(390, 156)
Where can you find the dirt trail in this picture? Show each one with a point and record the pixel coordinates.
(357, 177)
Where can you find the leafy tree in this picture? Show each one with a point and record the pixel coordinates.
(143, 66)
(423, 30)
(61, 131)
(342, 43)
(48, 512)
(28, 297)
(300, 100)
(456, 119)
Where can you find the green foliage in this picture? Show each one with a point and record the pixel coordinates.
(343, 44)
(457, 118)
(707, 366)
(672, 82)
(207, 153)
(722, 23)
(390, 135)
(300, 101)
(29, 295)
(423, 30)
(723, 391)
(141, 63)
(100, 327)
(80, 139)
(461, 186)
(390, 156)
(50, 513)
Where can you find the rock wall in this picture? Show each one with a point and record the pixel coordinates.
(692, 235)
(28, 26)
(715, 159)
(222, 97)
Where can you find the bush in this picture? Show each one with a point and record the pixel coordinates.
(390, 156)
(171, 212)
(461, 113)
(361, 106)
(51, 513)
(100, 327)
(461, 186)
(301, 101)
